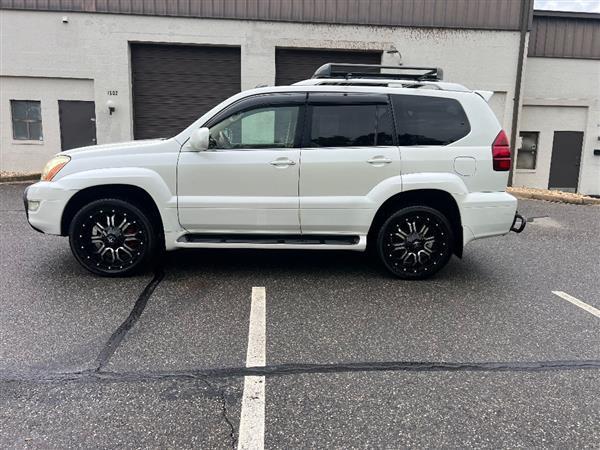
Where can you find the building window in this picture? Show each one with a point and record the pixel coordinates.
(527, 154)
(26, 120)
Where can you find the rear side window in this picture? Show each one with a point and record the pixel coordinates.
(422, 120)
(340, 120)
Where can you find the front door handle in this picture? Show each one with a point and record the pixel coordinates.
(282, 162)
(379, 160)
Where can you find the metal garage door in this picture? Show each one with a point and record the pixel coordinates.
(173, 85)
(293, 65)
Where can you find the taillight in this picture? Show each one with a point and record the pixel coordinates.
(501, 152)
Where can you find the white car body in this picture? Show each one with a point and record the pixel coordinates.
(293, 191)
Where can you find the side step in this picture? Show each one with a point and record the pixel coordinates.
(269, 239)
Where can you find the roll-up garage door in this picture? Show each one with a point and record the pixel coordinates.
(293, 65)
(173, 85)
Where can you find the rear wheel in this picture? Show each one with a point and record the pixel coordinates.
(415, 242)
(112, 237)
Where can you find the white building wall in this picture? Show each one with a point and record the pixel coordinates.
(562, 95)
(546, 120)
(30, 156)
(95, 47)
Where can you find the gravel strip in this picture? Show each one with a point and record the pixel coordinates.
(553, 196)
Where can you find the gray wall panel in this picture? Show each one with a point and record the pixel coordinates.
(565, 35)
(485, 14)
(553, 34)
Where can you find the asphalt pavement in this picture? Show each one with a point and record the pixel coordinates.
(485, 354)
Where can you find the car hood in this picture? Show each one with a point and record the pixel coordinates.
(124, 147)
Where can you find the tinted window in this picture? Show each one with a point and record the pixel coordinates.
(344, 125)
(422, 120)
(267, 127)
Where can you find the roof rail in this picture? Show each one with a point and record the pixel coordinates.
(343, 70)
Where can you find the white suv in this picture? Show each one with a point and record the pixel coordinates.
(354, 158)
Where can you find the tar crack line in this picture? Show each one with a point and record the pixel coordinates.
(119, 334)
(301, 369)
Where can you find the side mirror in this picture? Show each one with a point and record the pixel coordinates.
(199, 139)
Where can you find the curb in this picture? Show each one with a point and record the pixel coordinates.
(550, 196)
(28, 177)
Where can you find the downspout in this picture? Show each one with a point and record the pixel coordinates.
(526, 8)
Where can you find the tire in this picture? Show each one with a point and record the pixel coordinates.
(415, 242)
(112, 238)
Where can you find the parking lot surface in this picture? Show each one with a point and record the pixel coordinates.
(488, 353)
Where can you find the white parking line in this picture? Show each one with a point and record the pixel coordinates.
(577, 302)
(252, 419)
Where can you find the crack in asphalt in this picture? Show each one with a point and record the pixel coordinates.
(302, 369)
(119, 334)
(225, 415)
(224, 411)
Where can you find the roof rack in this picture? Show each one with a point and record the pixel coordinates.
(343, 70)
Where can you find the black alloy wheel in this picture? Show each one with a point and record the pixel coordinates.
(415, 242)
(111, 237)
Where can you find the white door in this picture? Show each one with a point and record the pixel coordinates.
(248, 179)
(347, 151)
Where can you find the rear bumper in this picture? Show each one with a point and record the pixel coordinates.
(486, 214)
(44, 204)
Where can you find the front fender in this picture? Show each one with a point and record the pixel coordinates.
(150, 181)
(146, 179)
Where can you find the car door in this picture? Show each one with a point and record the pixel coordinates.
(348, 149)
(247, 181)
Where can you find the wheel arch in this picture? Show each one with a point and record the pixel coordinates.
(438, 199)
(127, 192)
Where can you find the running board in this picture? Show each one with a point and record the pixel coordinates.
(283, 241)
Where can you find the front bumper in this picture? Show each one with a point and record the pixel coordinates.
(25, 202)
(52, 199)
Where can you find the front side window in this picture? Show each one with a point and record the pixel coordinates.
(348, 125)
(26, 120)
(422, 120)
(266, 127)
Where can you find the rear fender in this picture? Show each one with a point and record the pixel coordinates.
(446, 182)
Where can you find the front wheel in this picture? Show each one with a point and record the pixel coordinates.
(112, 237)
(415, 242)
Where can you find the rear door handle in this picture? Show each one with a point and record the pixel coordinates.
(379, 160)
(283, 162)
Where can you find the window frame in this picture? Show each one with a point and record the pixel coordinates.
(27, 140)
(260, 101)
(536, 151)
(331, 98)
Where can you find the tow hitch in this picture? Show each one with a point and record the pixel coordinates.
(518, 224)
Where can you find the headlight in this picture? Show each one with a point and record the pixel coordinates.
(53, 167)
